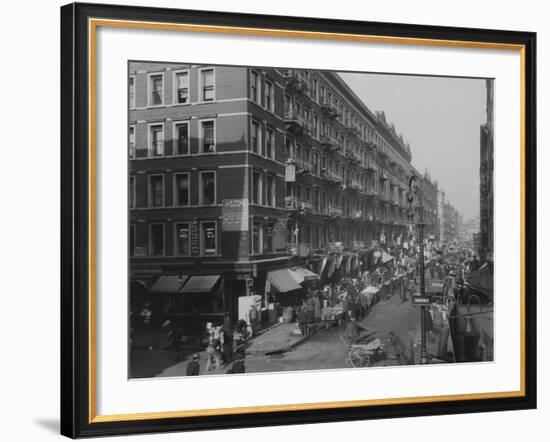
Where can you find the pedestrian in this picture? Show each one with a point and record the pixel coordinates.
(317, 308)
(302, 319)
(310, 308)
(238, 366)
(412, 288)
(145, 315)
(174, 339)
(213, 352)
(227, 341)
(193, 368)
(398, 348)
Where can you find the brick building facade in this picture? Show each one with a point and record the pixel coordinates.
(237, 171)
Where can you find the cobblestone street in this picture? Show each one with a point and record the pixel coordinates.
(324, 350)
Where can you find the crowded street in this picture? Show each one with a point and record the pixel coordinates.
(324, 349)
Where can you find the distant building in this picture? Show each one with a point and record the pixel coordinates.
(449, 218)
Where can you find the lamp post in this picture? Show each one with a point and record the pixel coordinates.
(414, 187)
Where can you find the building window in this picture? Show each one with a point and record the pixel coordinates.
(288, 106)
(306, 118)
(132, 239)
(156, 140)
(181, 189)
(132, 92)
(208, 140)
(156, 191)
(132, 141)
(322, 95)
(316, 200)
(315, 126)
(255, 86)
(208, 188)
(269, 101)
(207, 85)
(270, 191)
(270, 143)
(316, 170)
(182, 240)
(156, 239)
(132, 192)
(307, 158)
(288, 147)
(256, 237)
(314, 89)
(181, 87)
(208, 238)
(268, 238)
(256, 137)
(156, 90)
(256, 188)
(181, 138)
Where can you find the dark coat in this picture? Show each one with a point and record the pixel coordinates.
(238, 366)
(193, 368)
(398, 346)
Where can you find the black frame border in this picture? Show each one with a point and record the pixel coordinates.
(75, 219)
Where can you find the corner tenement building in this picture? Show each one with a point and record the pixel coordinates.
(238, 171)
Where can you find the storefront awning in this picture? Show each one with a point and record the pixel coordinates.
(169, 284)
(200, 284)
(283, 281)
(299, 274)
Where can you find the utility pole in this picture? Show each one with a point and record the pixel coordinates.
(413, 188)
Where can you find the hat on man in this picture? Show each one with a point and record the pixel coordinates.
(196, 356)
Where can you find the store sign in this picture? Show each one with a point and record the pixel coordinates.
(195, 239)
(421, 300)
(235, 215)
(290, 173)
(140, 251)
(279, 235)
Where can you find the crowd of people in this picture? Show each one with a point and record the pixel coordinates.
(346, 298)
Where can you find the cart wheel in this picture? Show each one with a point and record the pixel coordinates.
(357, 358)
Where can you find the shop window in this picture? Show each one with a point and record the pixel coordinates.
(182, 240)
(156, 239)
(208, 238)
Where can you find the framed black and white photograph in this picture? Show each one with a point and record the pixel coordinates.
(279, 220)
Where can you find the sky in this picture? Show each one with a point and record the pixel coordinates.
(440, 117)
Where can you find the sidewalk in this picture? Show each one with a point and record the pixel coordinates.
(277, 339)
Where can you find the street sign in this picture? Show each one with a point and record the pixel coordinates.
(421, 300)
